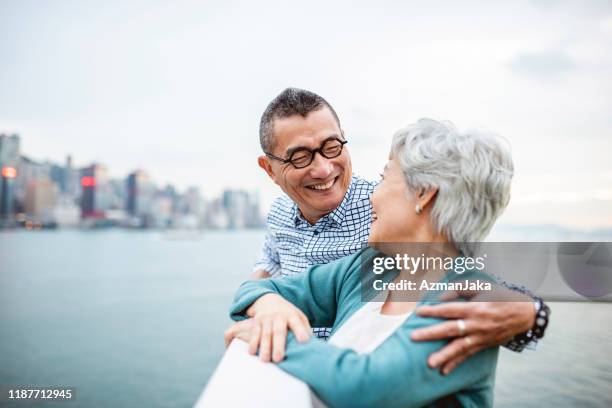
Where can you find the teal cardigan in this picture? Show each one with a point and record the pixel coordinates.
(396, 374)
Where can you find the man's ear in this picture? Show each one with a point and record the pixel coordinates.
(426, 197)
(264, 163)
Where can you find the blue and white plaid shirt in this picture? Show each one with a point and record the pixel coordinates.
(292, 244)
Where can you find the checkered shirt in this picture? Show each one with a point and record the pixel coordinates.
(292, 244)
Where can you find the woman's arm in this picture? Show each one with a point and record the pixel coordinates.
(395, 374)
(315, 292)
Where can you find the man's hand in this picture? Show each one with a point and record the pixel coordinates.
(260, 274)
(272, 315)
(474, 325)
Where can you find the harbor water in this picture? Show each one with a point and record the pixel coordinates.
(136, 318)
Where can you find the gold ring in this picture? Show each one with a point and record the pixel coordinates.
(461, 327)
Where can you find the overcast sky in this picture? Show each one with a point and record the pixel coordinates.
(177, 88)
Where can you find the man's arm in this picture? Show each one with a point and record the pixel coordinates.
(268, 263)
(260, 274)
(536, 330)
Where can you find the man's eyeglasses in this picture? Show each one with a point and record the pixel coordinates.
(303, 156)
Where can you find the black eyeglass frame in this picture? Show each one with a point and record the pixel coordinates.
(312, 152)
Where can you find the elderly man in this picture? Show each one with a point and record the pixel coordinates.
(326, 214)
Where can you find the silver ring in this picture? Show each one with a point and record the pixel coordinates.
(461, 326)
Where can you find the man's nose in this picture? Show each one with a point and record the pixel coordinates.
(320, 167)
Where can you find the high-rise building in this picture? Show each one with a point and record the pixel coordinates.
(40, 198)
(9, 149)
(96, 196)
(194, 203)
(71, 179)
(170, 192)
(216, 214)
(189, 209)
(236, 204)
(29, 169)
(9, 159)
(7, 180)
(140, 194)
(118, 192)
(254, 218)
(160, 212)
(57, 176)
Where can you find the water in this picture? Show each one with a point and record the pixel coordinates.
(137, 319)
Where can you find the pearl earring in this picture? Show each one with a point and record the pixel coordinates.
(418, 209)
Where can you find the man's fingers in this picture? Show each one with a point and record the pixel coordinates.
(452, 364)
(255, 338)
(449, 295)
(454, 310)
(279, 335)
(449, 352)
(299, 329)
(265, 345)
(456, 294)
(304, 319)
(438, 331)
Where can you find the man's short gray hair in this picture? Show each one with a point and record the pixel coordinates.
(472, 172)
(290, 102)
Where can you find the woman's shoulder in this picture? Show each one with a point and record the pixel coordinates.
(347, 272)
(355, 261)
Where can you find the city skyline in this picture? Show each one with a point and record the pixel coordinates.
(179, 90)
(46, 194)
(75, 163)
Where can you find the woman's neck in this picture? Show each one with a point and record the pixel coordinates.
(428, 244)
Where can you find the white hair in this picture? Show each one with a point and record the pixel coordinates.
(472, 172)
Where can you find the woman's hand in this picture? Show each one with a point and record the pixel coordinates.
(240, 330)
(271, 316)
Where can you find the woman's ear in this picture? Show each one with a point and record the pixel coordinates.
(426, 197)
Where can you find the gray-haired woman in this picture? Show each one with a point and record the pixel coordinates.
(439, 186)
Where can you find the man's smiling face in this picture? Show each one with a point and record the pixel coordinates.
(319, 188)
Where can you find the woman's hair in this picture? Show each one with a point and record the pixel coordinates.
(472, 172)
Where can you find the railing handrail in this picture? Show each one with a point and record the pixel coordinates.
(242, 380)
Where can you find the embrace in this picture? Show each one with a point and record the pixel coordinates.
(439, 186)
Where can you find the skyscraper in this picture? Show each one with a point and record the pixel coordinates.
(40, 198)
(9, 159)
(236, 204)
(71, 179)
(9, 149)
(6, 192)
(96, 195)
(140, 194)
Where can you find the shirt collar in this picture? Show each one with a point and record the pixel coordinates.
(336, 216)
